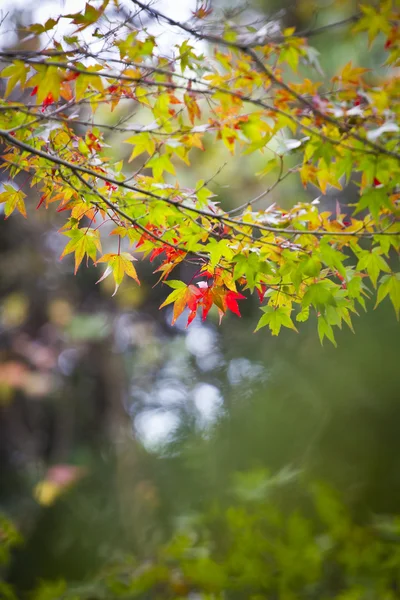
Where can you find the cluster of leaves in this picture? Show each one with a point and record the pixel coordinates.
(255, 549)
(300, 261)
(260, 547)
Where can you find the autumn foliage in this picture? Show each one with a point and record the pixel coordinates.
(243, 91)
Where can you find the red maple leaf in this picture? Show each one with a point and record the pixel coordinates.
(261, 291)
(231, 299)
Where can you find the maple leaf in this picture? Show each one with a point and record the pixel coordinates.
(207, 303)
(17, 73)
(192, 107)
(374, 263)
(159, 164)
(46, 84)
(261, 290)
(374, 20)
(119, 265)
(207, 299)
(231, 299)
(167, 266)
(90, 16)
(183, 296)
(185, 54)
(14, 199)
(142, 142)
(85, 241)
(350, 75)
(325, 330)
(204, 10)
(39, 28)
(275, 317)
(79, 208)
(390, 284)
(88, 79)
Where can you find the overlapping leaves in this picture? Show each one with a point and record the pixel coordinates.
(300, 262)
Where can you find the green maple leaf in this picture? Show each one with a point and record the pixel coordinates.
(13, 199)
(85, 241)
(390, 284)
(88, 79)
(48, 81)
(159, 164)
(275, 318)
(325, 330)
(142, 142)
(17, 73)
(217, 250)
(373, 200)
(374, 263)
(319, 295)
(374, 21)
